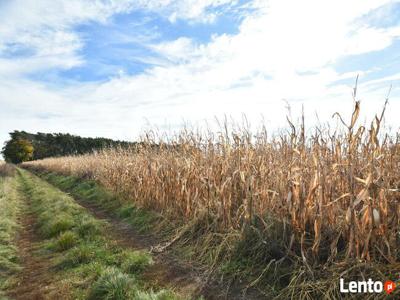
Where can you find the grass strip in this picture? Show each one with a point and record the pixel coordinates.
(9, 210)
(142, 220)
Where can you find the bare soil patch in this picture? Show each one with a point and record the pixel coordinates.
(34, 281)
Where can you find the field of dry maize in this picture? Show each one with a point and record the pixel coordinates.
(338, 190)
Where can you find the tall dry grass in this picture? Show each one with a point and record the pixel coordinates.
(6, 169)
(338, 191)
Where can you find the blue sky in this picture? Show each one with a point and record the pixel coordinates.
(114, 68)
(122, 44)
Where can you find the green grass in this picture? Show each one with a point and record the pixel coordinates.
(86, 261)
(66, 240)
(9, 210)
(135, 262)
(88, 190)
(52, 226)
(113, 284)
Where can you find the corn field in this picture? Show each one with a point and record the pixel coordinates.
(339, 190)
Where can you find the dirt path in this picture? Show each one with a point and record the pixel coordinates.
(166, 271)
(34, 279)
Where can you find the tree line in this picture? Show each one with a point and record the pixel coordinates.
(24, 146)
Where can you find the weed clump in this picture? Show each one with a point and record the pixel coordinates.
(135, 262)
(89, 228)
(81, 254)
(66, 240)
(56, 224)
(113, 284)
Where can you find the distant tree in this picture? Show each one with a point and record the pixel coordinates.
(55, 144)
(18, 150)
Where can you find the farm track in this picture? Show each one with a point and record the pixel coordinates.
(36, 275)
(166, 271)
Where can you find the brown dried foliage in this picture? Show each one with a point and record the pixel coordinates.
(335, 190)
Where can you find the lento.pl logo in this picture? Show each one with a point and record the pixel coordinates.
(368, 286)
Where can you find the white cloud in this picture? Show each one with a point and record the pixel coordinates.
(193, 10)
(178, 51)
(277, 45)
(46, 28)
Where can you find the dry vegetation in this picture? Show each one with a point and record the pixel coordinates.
(6, 169)
(335, 193)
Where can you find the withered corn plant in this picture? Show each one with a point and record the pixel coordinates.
(337, 191)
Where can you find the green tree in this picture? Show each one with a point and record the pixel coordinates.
(18, 150)
(55, 144)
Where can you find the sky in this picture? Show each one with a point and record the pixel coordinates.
(116, 68)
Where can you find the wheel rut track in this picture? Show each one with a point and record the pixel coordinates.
(34, 280)
(167, 271)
